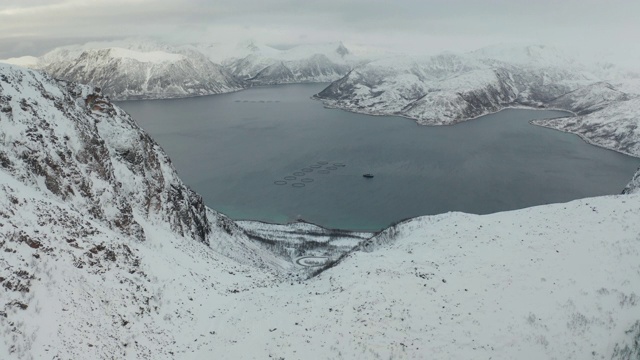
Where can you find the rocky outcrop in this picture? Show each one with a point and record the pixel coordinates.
(69, 141)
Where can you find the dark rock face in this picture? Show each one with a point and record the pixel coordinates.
(70, 141)
(631, 349)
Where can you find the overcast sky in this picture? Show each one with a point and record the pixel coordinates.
(32, 27)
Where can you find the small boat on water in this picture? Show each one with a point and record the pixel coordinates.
(368, 176)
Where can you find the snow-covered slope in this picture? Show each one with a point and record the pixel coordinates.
(88, 202)
(550, 282)
(25, 61)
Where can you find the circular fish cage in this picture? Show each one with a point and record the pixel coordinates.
(306, 180)
(297, 185)
(280, 182)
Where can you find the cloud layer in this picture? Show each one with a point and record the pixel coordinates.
(35, 26)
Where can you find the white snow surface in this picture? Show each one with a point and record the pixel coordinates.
(25, 61)
(550, 282)
(146, 57)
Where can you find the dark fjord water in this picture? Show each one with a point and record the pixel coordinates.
(234, 149)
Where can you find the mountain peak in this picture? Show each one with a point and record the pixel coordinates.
(342, 50)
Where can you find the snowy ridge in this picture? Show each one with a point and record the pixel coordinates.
(25, 61)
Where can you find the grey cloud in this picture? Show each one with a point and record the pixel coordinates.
(462, 24)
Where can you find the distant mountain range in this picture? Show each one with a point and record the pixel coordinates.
(140, 69)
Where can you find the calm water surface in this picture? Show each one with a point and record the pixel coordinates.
(235, 149)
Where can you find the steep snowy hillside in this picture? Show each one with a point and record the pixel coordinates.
(550, 282)
(318, 63)
(131, 74)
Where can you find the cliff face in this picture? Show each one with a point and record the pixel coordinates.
(71, 142)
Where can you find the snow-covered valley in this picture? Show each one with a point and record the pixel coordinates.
(105, 253)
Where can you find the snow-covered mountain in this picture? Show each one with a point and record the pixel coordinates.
(304, 63)
(146, 69)
(106, 254)
(126, 73)
(449, 88)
